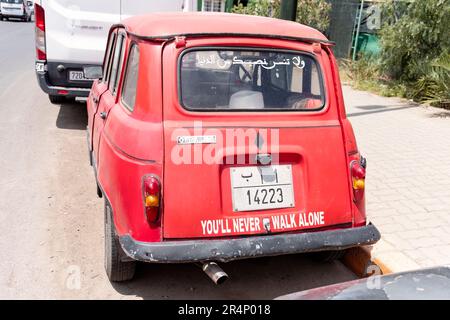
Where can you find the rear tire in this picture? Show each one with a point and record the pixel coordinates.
(56, 99)
(60, 99)
(116, 269)
(328, 256)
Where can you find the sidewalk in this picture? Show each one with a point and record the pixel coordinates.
(407, 147)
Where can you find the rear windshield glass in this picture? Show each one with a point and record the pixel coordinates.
(248, 79)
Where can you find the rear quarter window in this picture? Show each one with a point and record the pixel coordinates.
(249, 79)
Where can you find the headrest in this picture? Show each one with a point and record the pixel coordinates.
(247, 99)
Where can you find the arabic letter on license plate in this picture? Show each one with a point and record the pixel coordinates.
(262, 187)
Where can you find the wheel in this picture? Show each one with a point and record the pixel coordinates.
(99, 192)
(60, 99)
(116, 269)
(56, 99)
(328, 256)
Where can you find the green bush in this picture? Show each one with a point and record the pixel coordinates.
(415, 34)
(313, 13)
(265, 8)
(434, 85)
(364, 74)
(414, 61)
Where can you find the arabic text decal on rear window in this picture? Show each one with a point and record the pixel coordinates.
(249, 79)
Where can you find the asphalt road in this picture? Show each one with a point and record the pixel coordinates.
(51, 221)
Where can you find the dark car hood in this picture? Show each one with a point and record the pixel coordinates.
(423, 284)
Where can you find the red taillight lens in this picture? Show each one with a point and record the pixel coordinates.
(358, 173)
(39, 17)
(152, 192)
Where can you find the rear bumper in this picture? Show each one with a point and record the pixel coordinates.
(52, 80)
(55, 90)
(249, 247)
(13, 15)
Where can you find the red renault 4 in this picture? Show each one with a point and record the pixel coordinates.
(217, 137)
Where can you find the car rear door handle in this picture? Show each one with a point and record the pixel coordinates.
(103, 115)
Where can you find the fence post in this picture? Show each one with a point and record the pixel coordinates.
(361, 8)
(288, 9)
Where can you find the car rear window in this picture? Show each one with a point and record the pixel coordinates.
(249, 80)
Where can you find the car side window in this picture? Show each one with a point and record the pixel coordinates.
(108, 58)
(116, 64)
(131, 78)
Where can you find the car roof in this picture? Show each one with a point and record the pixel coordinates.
(169, 25)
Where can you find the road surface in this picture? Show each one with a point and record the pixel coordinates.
(51, 221)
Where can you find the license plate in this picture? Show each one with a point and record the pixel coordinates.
(262, 187)
(40, 67)
(77, 76)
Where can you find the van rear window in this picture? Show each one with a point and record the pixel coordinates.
(250, 80)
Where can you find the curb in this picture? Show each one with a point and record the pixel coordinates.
(359, 260)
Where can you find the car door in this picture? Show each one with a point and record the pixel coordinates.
(99, 87)
(109, 97)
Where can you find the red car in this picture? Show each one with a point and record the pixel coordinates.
(217, 137)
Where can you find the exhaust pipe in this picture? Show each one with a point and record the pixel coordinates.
(215, 272)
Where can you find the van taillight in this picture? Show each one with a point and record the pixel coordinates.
(39, 17)
(152, 191)
(358, 173)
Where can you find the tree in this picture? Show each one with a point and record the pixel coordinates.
(415, 34)
(314, 13)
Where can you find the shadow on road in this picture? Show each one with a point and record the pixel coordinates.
(442, 114)
(378, 108)
(14, 20)
(72, 116)
(261, 278)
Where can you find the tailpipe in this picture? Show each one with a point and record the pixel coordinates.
(215, 272)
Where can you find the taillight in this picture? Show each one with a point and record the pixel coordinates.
(152, 192)
(39, 17)
(358, 173)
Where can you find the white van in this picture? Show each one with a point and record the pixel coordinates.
(18, 9)
(72, 34)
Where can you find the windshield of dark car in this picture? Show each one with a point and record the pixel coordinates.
(250, 79)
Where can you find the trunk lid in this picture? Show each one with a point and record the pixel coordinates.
(229, 170)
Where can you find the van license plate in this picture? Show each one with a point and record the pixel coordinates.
(77, 76)
(262, 187)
